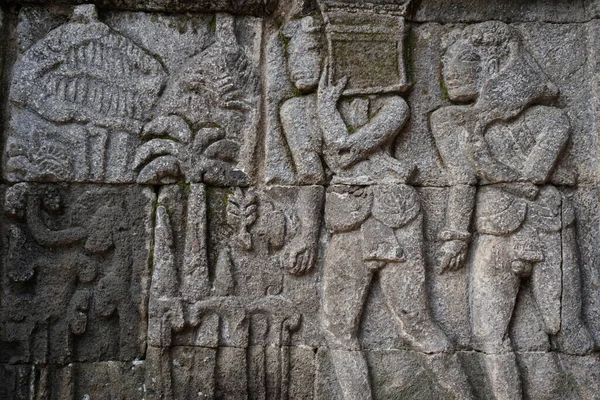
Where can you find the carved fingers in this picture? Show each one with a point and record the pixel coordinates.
(452, 255)
(300, 259)
(329, 93)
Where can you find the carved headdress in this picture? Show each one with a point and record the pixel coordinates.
(518, 81)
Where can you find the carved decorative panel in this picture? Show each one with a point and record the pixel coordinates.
(330, 199)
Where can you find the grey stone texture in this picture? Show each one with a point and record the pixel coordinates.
(328, 199)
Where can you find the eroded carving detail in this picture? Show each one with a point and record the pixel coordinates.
(205, 121)
(73, 277)
(283, 225)
(240, 304)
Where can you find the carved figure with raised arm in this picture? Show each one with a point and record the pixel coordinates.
(373, 216)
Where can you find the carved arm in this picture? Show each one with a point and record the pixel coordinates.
(48, 237)
(380, 130)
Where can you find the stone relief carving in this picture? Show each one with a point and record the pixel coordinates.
(374, 229)
(206, 117)
(524, 227)
(336, 199)
(239, 303)
(73, 278)
(85, 87)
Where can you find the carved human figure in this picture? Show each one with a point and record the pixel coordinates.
(67, 269)
(374, 229)
(524, 227)
(43, 324)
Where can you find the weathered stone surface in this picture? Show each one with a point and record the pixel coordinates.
(556, 11)
(107, 379)
(332, 199)
(252, 7)
(75, 273)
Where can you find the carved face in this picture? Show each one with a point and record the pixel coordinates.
(52, 201)
(462, 72)
(304, 60)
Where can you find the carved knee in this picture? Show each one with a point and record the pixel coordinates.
(340, 336)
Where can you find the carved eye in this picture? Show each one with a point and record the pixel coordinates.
(469, 57)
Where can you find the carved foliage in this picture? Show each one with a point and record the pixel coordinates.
(92, 88)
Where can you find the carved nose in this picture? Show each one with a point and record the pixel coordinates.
(551, 90)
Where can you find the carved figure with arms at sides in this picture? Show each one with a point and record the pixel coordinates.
(373, 217)
(505, 140)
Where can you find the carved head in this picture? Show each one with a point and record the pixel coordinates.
(304, 52)
(488, 64)
(478, 54)
(52, 200)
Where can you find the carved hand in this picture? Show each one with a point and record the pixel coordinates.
(175, 316)
(522, 189)
(482, 159)
(299, 258)
(521, 267)
(329, 93)
(452, 255)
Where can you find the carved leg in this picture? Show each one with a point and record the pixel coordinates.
(503, 376)
(574, 336)
(450, 375)
(403, 285)
(346, 281)
(494, 289)
(546, 282)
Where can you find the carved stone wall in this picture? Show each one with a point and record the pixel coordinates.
(328, 199)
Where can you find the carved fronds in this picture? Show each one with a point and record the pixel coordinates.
(224, 71)
(84, 71)
(164, 158)
(236, 80)
(242, 212)
(242, 208)
(48, 161)
(170, 127)
(51, 160)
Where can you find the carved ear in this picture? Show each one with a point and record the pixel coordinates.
(492, 66)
